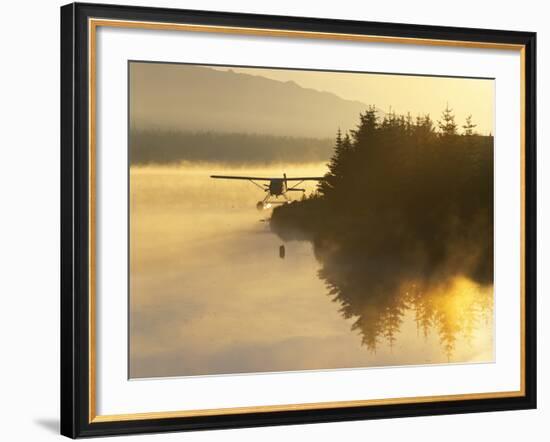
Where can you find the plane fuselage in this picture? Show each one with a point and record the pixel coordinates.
(276, 187)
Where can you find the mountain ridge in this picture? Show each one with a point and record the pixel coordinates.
(198, 98)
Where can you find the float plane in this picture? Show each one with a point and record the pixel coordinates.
(274, 187)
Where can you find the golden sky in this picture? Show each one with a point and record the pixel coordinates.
(401, 93)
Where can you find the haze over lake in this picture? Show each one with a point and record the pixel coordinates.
(210, 294)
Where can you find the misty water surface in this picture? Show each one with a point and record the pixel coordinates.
(209, 293)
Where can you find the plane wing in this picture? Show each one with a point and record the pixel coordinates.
(308, 178)
(230, 177)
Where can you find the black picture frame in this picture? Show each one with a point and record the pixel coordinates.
(75, 220)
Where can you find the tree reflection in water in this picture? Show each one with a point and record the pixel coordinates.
(451, 308)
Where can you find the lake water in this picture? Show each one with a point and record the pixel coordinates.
(210, 294)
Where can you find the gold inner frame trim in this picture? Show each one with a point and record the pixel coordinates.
(93, 24)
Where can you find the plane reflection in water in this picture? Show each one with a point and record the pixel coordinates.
(211, 295)
(276, 187)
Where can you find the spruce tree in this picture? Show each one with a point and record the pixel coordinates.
(424, 127)
(447, 125)
(368, 123)
(335, 166)
(409, 123)
(469, 126)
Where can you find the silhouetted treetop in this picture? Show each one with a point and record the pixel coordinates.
(447, 125)
(469, 126)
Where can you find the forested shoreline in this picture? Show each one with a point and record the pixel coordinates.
(406, 203)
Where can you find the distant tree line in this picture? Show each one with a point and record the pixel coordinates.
(405, 201)
(163, 147)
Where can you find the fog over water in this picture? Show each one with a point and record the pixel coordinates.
(210, 294)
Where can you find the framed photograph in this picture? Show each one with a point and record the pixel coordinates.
(274, 220)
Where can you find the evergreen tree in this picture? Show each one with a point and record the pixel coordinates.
(389, 120)
(447, 125)
(469, 126)
(370, 120)
(347, 152)
(409, 123)
(337, 165)
(424, 127)
(368, 123)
